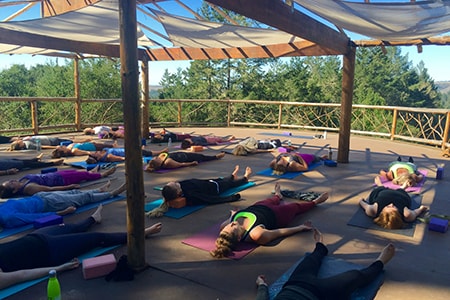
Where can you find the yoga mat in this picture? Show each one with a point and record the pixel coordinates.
(287, 135)
(332, 266)
(360, 219)
(413, 189)
(288, 175)
(85, 165)
(178, 213)
(206, 240)
(11, 231)
(23, 285)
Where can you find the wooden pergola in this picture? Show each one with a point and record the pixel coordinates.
(318, 40)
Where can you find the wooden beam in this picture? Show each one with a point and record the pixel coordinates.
(57, 7)
(438, 41)
(277, 14)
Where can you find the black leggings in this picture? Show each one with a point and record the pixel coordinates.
(340, 286)
(34, 163)
(69, 241)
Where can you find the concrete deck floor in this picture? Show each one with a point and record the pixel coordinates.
(420, 269)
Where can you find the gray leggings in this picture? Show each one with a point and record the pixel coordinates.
(60, 200)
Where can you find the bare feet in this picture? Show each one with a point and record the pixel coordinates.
(248, 172)
(278, 190)
(109, 171)
(220, 155)
(318, 237)
(155, 228)
(322, 198)
(234, 174)
(105, 187)
(386, 254)
(66, 211)
(119, 190)
(97, 215)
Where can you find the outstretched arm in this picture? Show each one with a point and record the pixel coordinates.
(264, 236)
(10, 278)
(173, 164)
(412, 214)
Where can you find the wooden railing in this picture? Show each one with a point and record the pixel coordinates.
(419, 125)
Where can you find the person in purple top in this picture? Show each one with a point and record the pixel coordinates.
(56, 181)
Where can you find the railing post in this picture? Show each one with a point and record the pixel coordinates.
(228, 113)
(179, 114)
(280, 115)
(34, 117)
(76, 83)
(446, 132)
(394, 123)
(144, 98)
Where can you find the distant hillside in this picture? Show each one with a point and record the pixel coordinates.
(444, 86)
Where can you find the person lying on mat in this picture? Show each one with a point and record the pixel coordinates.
(116, 155)
(200, 191)
(253, 146)
(22, 211)
(304, 283)
(178, 160)
(390, 208)
(30, 142)
(55, 181)
(263, 222)
(80, 149)
(205, 140)
(401, 173)
(33, 255)
(10, 166)
(293, 162)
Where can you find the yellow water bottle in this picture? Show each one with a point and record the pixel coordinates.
(53, 288)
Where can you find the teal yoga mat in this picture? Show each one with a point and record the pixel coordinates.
(178, 213)
(288, 175)
(332, 266)
(21, 286)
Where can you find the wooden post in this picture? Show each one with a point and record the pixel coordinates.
(76, 83)
(132, 122)
(145, 98)
(228, 113)
(394, 123)
(179, 114)
(34, 117)
(348, 74)
(446, 132)
(280, 115)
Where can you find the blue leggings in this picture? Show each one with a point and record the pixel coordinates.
(340, 286)
(71, 240)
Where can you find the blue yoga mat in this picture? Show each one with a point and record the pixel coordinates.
(85, 165)
(23, 285)
(332, 266)
(178, 213)
(288, 175)
(11, 231)
(287, 135)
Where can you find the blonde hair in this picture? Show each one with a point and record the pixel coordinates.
(410, 179)
(224, 244)
(390, 220)
(239, 150)
(159, 211)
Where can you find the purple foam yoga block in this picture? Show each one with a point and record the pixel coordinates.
(47, 221)
(439, 225)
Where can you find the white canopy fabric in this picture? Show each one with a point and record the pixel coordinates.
(385, 21)
(186, 32)
(98, 23)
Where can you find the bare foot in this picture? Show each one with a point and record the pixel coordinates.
(234, 174)
(278, 190)
(109, 171)
(155, 228)
(95, 170)
(317, 236)
(220, 155)
(119, 190)
(322, 198)
(386, 254)
(378, 181)
(58, 162)
(105, 187)
(97, 215)
(248, 172)
(66, 211)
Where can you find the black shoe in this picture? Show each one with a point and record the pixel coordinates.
(411, 160)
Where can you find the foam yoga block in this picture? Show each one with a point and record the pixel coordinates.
(99, 266)
(47, 221)
(439, 225)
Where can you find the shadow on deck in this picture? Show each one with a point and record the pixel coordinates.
(420, 269)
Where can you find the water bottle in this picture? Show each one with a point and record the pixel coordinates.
(289, 143)
(53, 288)
(330, 154)
(440, 172)
(169, 143)
(38, 145)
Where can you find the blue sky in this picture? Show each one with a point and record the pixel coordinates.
(435, 57)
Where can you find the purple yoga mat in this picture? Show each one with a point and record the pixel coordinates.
(206, 239)
(413, 189)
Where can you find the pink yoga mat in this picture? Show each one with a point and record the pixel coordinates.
(413, 189)
(206, 239)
